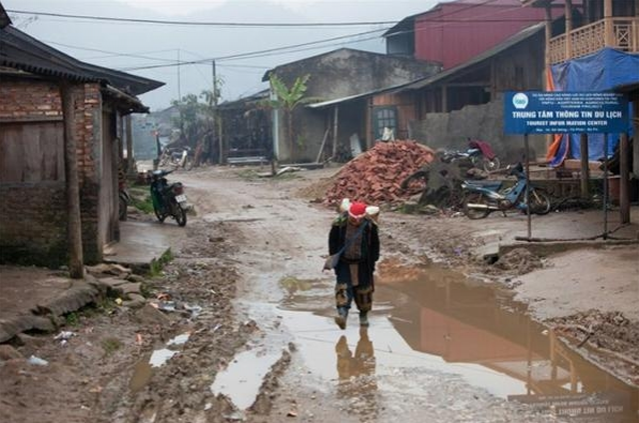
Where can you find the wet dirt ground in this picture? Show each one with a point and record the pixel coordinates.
(441, 347)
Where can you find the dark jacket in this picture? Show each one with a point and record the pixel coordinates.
(370, 251)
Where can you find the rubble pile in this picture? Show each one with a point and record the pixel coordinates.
(519, 260)
(375, 176)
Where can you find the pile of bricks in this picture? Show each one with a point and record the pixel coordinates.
(375, 176)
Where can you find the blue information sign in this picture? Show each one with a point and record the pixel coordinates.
(534, 112)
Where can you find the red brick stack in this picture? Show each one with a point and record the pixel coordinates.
(375, 176)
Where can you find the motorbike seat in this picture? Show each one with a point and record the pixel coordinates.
(489, 185)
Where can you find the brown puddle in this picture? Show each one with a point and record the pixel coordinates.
(439, 320)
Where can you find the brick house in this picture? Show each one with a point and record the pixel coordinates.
(335, 76)
(33, 216)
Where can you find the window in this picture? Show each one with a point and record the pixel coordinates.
(384, 117)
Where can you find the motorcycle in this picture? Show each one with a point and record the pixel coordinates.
(479, 154)
(484, 197)
(168, 199)
(177, 157)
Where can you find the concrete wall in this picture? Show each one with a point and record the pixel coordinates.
(339, 74)
(346, 72)
(33, 220)
(485, 122)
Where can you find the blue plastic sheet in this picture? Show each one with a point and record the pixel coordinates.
(601, 71)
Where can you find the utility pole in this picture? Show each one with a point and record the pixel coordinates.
(216, 124)
(178, 76)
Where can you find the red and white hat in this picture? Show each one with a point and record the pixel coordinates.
(357, 210)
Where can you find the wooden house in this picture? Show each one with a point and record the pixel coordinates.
(61, 126)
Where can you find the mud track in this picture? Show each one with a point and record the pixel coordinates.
(263, 348)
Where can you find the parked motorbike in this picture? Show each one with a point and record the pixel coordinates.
(124, 200)
(479, 154)
(168, 199)
(484, 197)
(177, 157)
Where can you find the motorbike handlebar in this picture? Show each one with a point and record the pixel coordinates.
(161, 173)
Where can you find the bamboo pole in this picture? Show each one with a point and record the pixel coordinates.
(568, 17)
(609, 35)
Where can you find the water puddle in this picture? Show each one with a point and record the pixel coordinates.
(143, 369)
(438, 321)
(179, 340)
(242, 379)
(159, 357)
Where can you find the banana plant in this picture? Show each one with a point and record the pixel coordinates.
(287, 99)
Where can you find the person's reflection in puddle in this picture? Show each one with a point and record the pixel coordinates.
(357, 382)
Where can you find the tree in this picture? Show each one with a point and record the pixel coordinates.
(287, 99)
(189, 121)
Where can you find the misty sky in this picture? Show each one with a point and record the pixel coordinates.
(161, 44)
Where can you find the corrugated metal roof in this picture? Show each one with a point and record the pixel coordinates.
(422, 82)
(405, 23)
(21, 51)
(258, 96)
(515, 39)
(554, 3)
(130, 103)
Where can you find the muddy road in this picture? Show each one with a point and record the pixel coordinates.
(441, 346)
(247, 332)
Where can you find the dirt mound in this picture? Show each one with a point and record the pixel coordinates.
(607, 338)
(520, 261)
(317, 190)
(375, 176)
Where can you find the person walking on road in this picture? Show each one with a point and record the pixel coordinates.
(354, 235)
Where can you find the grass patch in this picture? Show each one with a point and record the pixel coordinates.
(248, 174)
(72, 319)
(145, 205)
(141, 199)
(145, 290)
(111, 345)
(158, 265)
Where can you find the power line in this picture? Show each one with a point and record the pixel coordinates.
(240, 24)
(309, 46)
(262, 53)
(112, 53)
(201, 23)
(315, 44)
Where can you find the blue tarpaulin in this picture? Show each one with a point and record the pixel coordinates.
(601, 71)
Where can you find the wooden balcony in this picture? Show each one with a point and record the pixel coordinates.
(619, 33)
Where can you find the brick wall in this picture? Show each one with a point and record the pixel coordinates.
(88, 116)
(29, 99)
(33, 223)
(33, 216)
